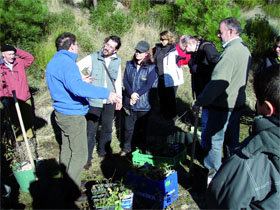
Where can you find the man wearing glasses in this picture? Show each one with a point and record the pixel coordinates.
(104, 67)
(224, 96)
(203, 60)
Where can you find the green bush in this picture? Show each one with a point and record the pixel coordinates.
(202, 17)
(108, 20)
(258, 29)
(272, 10)
(100, 16)
(118, 23)
(43, 53)
(64, 19)
(140, 10)
(22, 22)
(249, 4)
(165, 15)
(85, 41)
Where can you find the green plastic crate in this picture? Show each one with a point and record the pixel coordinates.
(139, 159)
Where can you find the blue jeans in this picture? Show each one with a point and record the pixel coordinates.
(204, 119)
(222, 128)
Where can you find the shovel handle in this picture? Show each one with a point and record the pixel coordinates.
(23, 131)
(194, 142)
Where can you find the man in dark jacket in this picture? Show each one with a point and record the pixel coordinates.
(204, 57)
(251, 177)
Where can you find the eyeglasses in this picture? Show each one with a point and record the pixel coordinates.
(109, 46)
(161, 39)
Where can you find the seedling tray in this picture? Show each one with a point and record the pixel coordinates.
(139, 159)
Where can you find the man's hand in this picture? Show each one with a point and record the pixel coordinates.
(134, 96)
(87, 78)
(115, 98)
(118, 106)
(196, 109)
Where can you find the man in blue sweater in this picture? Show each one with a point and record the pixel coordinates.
(69, 92)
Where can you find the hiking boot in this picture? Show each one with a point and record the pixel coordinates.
(103, 155)
(82, 198)
(123, 154)
(87, 166)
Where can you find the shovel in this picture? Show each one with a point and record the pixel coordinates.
(23, 131)
(194, 142)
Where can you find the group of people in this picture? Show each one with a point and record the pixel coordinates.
(248, 176)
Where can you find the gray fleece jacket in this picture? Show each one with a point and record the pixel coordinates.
(229, 78)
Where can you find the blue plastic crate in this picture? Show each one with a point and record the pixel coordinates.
(158, 193)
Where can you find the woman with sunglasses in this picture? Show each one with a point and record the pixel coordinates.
(139, 77)
(170, 75)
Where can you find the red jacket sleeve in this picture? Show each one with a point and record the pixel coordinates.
(26, 57)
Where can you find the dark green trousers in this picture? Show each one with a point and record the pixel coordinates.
(74, 149)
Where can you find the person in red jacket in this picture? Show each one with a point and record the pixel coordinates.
(183, 56)
(13, 77)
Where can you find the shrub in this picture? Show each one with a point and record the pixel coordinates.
(259, 30)
(202, 17)
(85, 41)
(249, 4)
(140, 10)
(272, 10)
(43, 53)
(100, 16)
(108, 20)
(63, 19)
(22, 22)
(118, 23)
(165, 15)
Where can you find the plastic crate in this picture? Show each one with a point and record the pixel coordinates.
(139, 159)
(158, 194)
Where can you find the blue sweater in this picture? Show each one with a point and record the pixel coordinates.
(66, 86)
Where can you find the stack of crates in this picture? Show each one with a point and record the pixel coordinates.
(156, 194)
(175, 151)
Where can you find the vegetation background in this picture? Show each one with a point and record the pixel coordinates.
(33, 25)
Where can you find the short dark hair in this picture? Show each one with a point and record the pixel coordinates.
(267, 86)
(233, 23)
(275, 43)
(64, 41)
(115, 39)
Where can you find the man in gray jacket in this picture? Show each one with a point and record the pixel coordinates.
(225, 95)
(105, 68)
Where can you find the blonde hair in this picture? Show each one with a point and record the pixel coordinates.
(168, 35)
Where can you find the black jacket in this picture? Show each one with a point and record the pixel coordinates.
(140, 82)
(202, 64)
(251, 178)
(159, 53)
